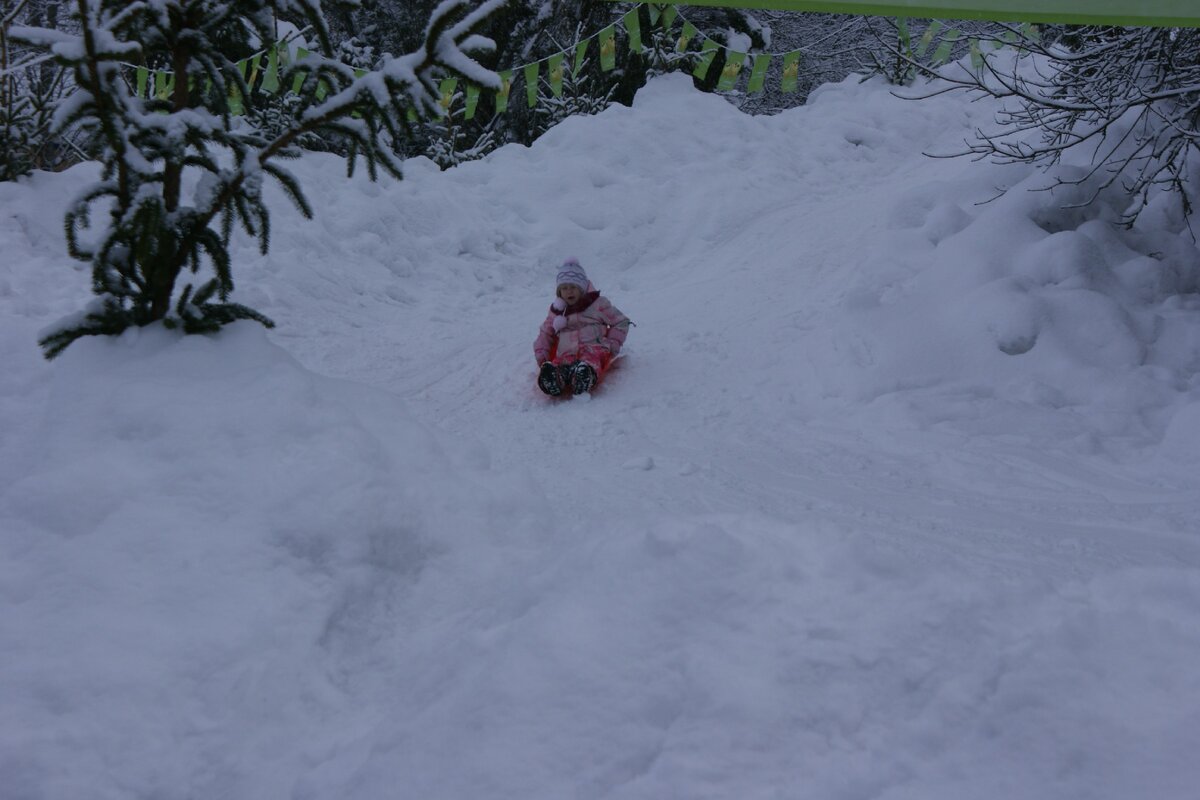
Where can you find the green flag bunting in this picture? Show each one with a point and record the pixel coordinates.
(1159, 13)
(758, 74)
(143, 76)
(791, 72)
(668, 17)
(707, 53)
(904, 36)
(554, 65)
(927, 38)
(270, 82)
(472, 101)
(531, 82)
(503, 92)
(731, 70)
(446, 93)
(685, 38)
(942, 54)
(580, 54)
(608, 48)
(633, 28)
(301, 54)
(976, 55)
(255, 63)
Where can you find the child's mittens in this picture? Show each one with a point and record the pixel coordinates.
(559, 323)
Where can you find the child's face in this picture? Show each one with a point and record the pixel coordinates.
(570, 293)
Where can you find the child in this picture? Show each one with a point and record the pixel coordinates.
(581, 335)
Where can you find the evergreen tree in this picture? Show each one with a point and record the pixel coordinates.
(455, 139)
(30, 90)
(153, 233)
(578, 98)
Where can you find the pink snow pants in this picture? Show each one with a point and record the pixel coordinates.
(595, 355)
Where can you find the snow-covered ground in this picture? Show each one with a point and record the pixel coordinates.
(893, 494)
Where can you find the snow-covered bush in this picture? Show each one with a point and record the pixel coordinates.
(1129, 98)
(154, 230)
(453, 139)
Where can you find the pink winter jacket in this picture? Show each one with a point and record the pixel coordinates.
(598, 322)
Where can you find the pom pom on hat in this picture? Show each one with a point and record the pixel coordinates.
(571, 272)
(559, 323)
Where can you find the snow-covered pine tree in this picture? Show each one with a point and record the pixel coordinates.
(16, 106)
(578, 97)
(30, 90)
(153, 232)
(453, 139)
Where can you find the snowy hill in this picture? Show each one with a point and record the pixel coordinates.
(894, 493)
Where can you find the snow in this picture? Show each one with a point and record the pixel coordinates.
(893, 493)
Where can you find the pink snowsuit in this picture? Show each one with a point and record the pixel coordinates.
(591, 331)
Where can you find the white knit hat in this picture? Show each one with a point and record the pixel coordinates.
(571, 272)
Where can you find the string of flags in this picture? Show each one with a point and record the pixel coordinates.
(262, 70)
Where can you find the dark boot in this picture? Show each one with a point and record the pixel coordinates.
(583, 377)
(550, 380)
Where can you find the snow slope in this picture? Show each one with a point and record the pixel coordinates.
(893, 494)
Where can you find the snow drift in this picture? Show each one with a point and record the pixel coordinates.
(892, 495)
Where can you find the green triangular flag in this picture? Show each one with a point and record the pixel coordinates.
(271, 79)
(411, 115)
(446, 93)
(685, 38)
(502, 92)
(255, 63)
(142, 75)
(904, 36)
(731, 70)
(235, 94)
(555, 67)
(531, 82)
(976, 56)
(707, 53)
(608, 48)
(472, 101)
(633, 28)
(791, 72)
(758, 75)
(580, 55)
(161, 87)
(655, 12)
(927, 37)
(668, 17)
(301, 54)
(942, 54)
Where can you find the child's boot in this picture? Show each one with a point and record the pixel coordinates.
(550, 380)
(583, 377)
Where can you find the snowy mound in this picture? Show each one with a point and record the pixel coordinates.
(889, 497)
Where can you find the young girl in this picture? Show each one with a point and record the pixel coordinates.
(581, 335)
